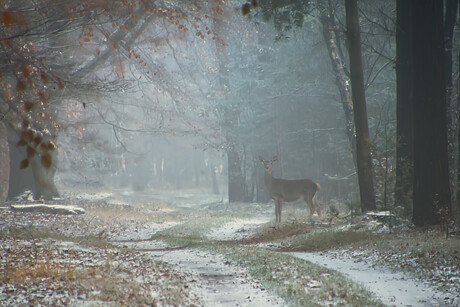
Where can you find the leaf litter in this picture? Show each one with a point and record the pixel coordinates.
(133, 270)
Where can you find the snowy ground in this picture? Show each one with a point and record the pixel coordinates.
(393, 288)
(203, 278)
(217, 282)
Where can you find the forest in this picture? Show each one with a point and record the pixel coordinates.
(165, 100)
(85, 88)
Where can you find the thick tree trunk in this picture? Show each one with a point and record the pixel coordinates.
(4, 163)
(45, 187)
(431, 174)
(363, 151)
(404, 117)
(236, 182)
(449, 24)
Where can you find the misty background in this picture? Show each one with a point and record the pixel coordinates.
(191, 109)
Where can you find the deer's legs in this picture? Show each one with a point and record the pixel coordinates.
(310, 205)
(315, 203)
(278, 206)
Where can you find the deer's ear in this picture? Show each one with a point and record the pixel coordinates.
(275, 158)
(261, 159)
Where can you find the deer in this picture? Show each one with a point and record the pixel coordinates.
(283, 190)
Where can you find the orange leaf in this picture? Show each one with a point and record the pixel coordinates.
(27, 135)
(21, 86)
(7, 19)
(115, 45)
(46, 161)
(37, 140)
(254, 3)
(61, 84)
(119, 70)
(30, 152)
(245, 9)
(25, 123)
(24, 164)
(25, 72)
(28, 106)
(44, 77)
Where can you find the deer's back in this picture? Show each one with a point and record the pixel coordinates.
(293, 190)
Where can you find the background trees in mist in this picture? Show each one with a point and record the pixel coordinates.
(112, 86)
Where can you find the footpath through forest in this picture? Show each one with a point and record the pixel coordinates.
(188, 249)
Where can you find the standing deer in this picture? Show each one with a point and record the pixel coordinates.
(282, 190)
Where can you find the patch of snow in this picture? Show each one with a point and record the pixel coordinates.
(60, 209)
(217, 282)
(392, 288)
(237, 229)
(142, 232)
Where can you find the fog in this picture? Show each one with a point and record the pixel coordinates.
(200, 103)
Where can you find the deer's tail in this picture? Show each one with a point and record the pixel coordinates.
(318, 187)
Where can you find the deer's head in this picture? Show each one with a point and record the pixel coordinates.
(268, 164)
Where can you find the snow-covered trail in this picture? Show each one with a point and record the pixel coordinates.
(392, 288)
(217, 282)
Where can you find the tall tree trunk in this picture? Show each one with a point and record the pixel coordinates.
(236, 185)
(229, 122)
(431, 173)
(449, 24)
(404, 117)
(363, 151)
(45, 187)
(4, 163)
(327, 19)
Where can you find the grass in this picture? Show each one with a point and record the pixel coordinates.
(329, 239)
(298, 281)
(31, 232)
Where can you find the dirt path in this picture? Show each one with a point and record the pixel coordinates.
(215, 281)
(393, 288)
(206, 276)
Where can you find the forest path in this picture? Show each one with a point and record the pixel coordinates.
(392, 288)
(130, 224)
(214, 280)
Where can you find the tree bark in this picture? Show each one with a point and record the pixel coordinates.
(4, 163)
(404, 116)
(431, 173)
(364, 160)
(45, 187)
(229, 122)
(327, 19)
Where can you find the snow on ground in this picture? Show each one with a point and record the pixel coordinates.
(237, 229)
(217, 282)
(393, 288)
(141, 232)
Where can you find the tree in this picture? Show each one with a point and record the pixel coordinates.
(431, 176)
(364, 160)
(4, 163)
(46, 59)
(404, 92)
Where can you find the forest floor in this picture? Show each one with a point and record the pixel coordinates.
(192, 249)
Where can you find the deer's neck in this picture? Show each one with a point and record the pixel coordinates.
(268, 179)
